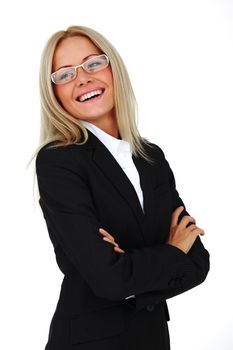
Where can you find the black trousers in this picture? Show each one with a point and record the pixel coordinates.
(146, 330)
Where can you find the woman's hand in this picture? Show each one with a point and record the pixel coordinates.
(107, 237)
(180, 235)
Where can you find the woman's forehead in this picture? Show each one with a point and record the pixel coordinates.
(74, 48)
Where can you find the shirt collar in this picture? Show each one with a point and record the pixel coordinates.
(113, 144)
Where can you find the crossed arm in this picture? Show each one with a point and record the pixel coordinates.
(181, 235)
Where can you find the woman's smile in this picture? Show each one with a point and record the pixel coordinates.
(91, 95)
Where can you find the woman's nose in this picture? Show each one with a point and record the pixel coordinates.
(82, 76)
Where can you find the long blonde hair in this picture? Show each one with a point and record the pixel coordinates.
(58, 125)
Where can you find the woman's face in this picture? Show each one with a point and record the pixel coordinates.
(72, 52)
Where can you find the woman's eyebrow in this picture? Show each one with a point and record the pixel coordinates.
(84, 59)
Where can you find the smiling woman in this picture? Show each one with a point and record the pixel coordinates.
(121, 234)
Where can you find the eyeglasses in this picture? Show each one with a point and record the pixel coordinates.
(94, 64)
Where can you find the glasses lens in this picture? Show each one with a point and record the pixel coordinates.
(96, 63)
(64, 75)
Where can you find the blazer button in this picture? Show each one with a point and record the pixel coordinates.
(150, 307)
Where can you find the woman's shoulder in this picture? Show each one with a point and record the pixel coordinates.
(53, 153)
(153, 149)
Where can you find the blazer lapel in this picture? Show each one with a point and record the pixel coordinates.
(148, 181)
(115, 174)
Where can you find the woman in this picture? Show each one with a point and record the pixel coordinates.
(121, 234)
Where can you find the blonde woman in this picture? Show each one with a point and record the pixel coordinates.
(120, 231)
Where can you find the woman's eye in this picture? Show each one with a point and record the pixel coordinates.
(66, 75)
(93, 65)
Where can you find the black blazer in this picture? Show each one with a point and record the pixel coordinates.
(83, 188)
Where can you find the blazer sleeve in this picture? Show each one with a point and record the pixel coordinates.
(181, 280)
(69, 211)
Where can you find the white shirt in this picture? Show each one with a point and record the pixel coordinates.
(121, 151)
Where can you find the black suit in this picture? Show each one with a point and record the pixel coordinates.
(83, 188)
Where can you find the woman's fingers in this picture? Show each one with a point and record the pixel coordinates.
(109, 238)
(110, 241)
(196, 230)
(175, 216)
(118, 250)
(186, 220)
(116, 246)
(191, 228)
(106, 234)
(184, 234)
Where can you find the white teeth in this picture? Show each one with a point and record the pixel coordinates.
(89, 94)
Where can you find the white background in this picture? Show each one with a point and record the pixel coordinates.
(179, 55)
